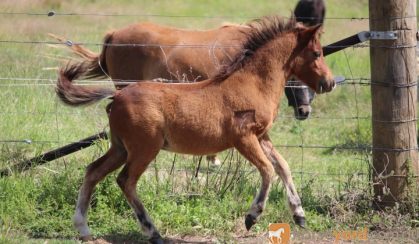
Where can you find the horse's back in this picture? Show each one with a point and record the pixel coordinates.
(170, 53)
(135, 52)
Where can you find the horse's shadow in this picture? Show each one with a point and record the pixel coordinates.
(135, 238)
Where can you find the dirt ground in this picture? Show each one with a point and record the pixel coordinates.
(300, 237)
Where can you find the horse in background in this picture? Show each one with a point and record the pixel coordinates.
(309, 13)
(234, 109)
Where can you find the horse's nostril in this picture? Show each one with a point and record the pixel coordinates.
(303, 113)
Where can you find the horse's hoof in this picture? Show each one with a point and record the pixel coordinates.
(300, 220)
(249, 221)
(86, 238)
(156, 240)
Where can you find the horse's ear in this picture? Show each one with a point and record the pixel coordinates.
(318, 29)
(315, 31)
(311, 33)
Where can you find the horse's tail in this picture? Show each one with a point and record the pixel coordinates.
(74, 95)
(95, 63)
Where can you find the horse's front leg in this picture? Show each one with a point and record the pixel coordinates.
(283, 170)
(250, 148)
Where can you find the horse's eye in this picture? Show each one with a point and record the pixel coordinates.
(317, 54)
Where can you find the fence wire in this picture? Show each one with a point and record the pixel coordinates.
(52, 13)
(206, 46)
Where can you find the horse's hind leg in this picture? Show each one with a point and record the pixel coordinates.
(283, 170)
(214, 160)
(95, 172)
(250, 148)
(137, 163)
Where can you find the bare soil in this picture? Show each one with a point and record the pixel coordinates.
(300, 237)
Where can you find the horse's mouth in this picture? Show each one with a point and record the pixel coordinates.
(325, 86)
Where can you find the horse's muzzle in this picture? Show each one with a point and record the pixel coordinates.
(325, 86)
(302, 112)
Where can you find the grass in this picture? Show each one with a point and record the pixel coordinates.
(38, 204)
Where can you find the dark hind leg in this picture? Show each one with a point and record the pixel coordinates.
(137, 163)
(95, 172)
(282, 169)
(250, 148)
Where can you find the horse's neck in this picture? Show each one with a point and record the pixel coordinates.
(266, 70)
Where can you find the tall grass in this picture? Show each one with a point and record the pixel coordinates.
(181, 197)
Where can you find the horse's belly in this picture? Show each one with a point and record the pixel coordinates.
(196, 145)
(195, 150)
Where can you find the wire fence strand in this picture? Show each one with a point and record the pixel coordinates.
(212, 46)
(52, 13)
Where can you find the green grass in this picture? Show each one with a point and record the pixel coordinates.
(38, 204)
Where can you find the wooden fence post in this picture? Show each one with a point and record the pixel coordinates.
(394, 99)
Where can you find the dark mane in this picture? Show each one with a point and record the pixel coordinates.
(262, 31)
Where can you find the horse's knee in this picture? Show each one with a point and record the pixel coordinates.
(269, 172)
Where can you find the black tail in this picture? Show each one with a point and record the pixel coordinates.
(74, 95)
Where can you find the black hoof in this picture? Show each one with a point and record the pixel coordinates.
(300, 221)
(250, 221)
(156, 240)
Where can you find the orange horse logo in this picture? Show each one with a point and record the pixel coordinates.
(279, 233)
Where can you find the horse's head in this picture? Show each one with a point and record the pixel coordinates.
(299, 96)
(308, 63)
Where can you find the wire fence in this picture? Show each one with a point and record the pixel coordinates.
(358, 148)
(52, 13)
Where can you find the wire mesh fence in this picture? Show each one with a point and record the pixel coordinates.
(330, 152)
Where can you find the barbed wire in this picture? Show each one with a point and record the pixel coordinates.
(347, 81)
(350, 148)
(52, 13)
(95, 112)
(194, 46)
(290, 84)
(211, 46)
(70, 43)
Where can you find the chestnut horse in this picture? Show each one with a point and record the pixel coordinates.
(234, 109)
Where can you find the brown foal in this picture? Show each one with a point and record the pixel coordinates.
(234, 109)
(147, 51)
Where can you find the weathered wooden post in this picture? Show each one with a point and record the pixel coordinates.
(394, 97)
